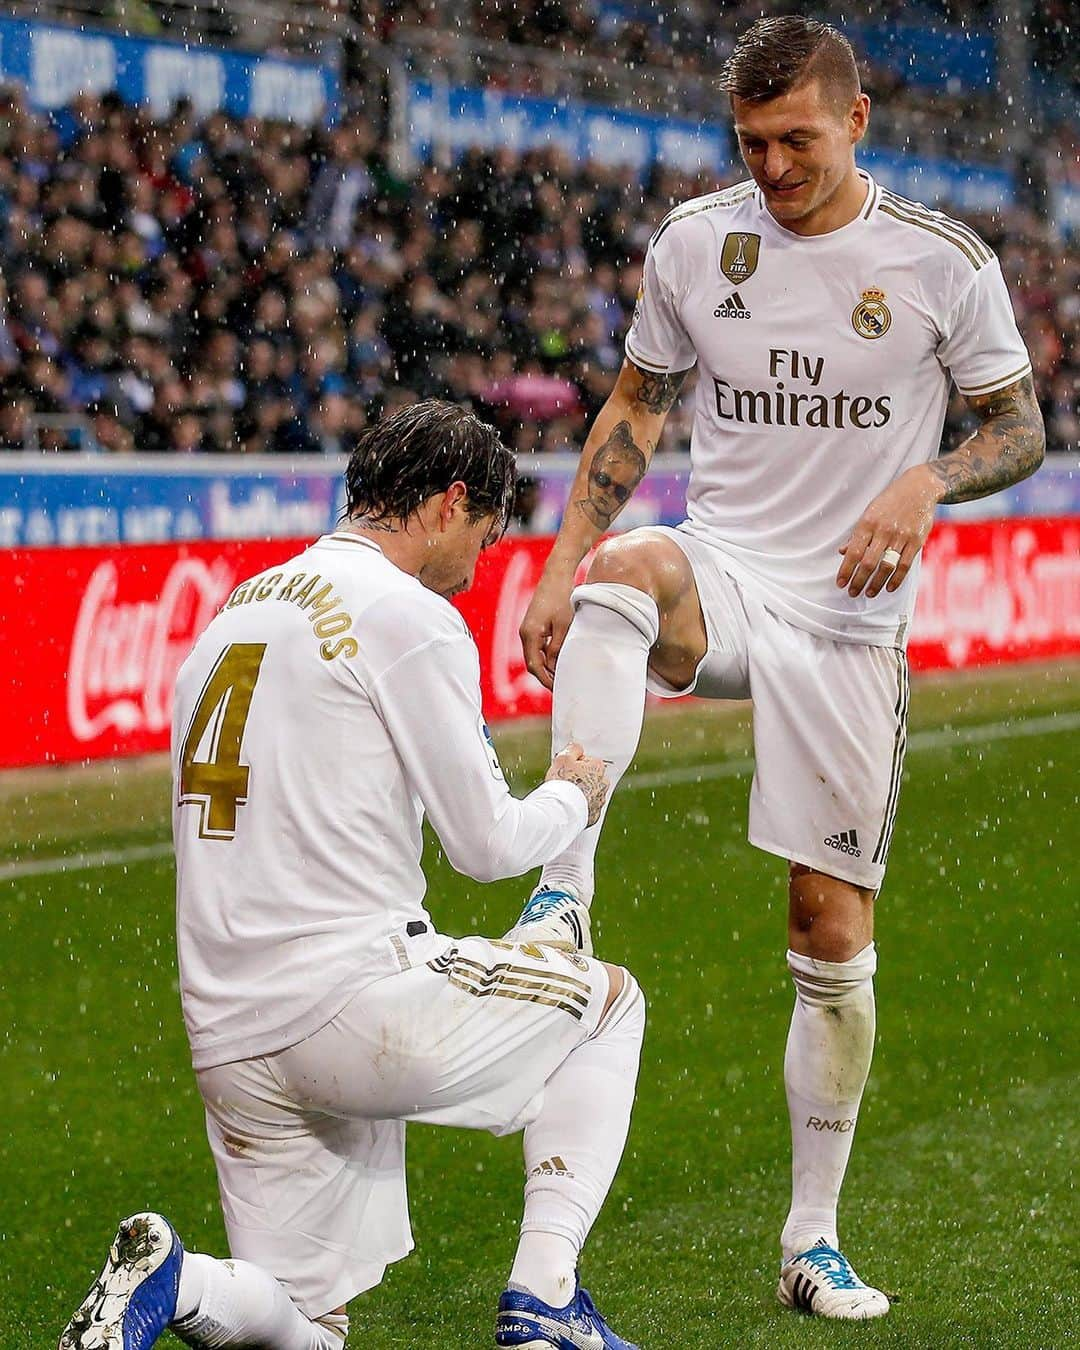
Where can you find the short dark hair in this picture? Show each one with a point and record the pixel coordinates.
(418, 451)
(776, 55)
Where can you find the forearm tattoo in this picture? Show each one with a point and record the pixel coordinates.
(658, 392)
(1008, 446)
(616, 469)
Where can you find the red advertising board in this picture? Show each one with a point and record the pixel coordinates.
(93, 637)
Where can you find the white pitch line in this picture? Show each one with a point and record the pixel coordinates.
(82, 862)
(943, 738)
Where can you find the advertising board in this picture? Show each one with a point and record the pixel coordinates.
(94, 636)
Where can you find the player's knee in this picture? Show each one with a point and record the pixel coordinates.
(645, 559)
(828, 919)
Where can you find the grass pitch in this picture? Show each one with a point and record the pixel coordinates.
(961, 1194)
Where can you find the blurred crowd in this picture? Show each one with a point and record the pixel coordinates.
(180, 286)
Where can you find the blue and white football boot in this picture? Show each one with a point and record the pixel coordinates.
(821, 1281)
(133, 1300)
(554, 918)
(526, 1322)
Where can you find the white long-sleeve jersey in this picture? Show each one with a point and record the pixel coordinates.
(330, 704)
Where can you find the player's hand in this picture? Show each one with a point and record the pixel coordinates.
(573, 765)
(898, 519)
(544, 627)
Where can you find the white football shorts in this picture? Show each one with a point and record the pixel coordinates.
(830, 725)
(309, 1143)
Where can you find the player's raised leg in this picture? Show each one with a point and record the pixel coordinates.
(830, 1045)
(149, 1282)
(571, 1157)
(638, 609)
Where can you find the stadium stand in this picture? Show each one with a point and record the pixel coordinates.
(209, 284)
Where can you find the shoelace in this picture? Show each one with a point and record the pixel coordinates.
(833, 1265)
(586, 1302)
(541, 904)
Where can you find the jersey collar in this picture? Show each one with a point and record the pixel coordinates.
(341, 537)
(866, 212)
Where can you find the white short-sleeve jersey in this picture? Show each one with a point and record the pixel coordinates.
(824, 372)
(329, 706)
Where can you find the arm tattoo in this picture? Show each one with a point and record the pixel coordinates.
(616, 469)
(658, 392)
(1008, 446)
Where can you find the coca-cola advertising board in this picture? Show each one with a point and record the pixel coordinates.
(94, 637)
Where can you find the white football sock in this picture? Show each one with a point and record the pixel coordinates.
(829, 1048)
(600, 702)
(233, 1303)
(573, 1148)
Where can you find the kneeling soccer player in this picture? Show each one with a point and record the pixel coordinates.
(330, 704)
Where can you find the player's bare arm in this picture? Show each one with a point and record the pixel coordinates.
(1008, 446)
(615, 459)
(615, 471)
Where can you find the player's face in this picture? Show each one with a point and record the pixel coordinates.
(800, 150)
(459, 551)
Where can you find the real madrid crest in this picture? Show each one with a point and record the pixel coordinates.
(739, 256)
(871, 317)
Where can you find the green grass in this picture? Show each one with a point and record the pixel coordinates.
(961, 1196)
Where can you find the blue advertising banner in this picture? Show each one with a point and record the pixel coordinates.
(966, 187)
(56, 63)
(82, 500)
(929, 55)
(454, 118)
(451, 119)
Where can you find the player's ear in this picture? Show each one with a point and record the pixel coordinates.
(453, 502)
(859, 118)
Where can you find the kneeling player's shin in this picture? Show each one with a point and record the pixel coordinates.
(573, 1148)
(829, 1048)
(222, 1304)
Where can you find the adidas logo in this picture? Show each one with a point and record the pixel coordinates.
(734, 307)
(847, 841)
(551, 1167)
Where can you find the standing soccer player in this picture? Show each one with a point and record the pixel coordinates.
(827, 317)
(330, 705)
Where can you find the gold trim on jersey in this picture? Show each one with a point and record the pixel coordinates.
(939, 226)
(344, 538)
(981, 249)
(731, 196)
(739, 256)
(649, 367)
(520, 983)
(1002, 382)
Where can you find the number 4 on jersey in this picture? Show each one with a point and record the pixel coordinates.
(218, 784)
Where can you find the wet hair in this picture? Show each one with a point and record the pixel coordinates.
(417, 452)
(776, 55)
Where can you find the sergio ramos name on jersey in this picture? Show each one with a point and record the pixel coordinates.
(806, 406)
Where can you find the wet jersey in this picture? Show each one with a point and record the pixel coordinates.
(824, 367)
(329, 706)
